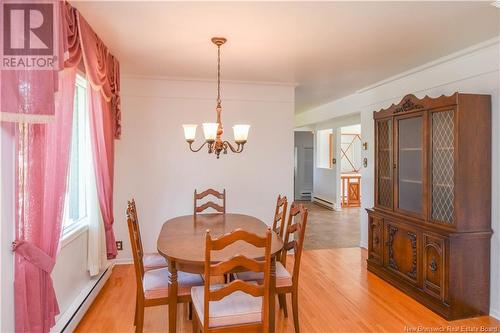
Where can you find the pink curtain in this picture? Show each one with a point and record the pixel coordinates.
(103, 75)
(41, 101)
(38, 226)
(102, 137)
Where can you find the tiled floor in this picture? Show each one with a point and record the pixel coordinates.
(328, 229)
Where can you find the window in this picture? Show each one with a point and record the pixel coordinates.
(324, 148)
(76, 200)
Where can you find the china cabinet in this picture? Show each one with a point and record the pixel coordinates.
(430, 228)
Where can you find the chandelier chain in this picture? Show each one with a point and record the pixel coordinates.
(218, 77)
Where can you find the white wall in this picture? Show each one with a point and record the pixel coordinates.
(326, 184)
(154, 165)
(474, 70)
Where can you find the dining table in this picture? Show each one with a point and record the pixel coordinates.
(182, 242)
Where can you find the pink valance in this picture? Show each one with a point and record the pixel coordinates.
(102, 69)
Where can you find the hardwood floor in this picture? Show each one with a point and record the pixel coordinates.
(336, 294)
(327, 229)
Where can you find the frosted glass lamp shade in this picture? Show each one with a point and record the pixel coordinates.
(210, 131)
(241, 133)
(190, 131)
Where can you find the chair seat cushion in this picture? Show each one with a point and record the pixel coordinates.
(155, 283)
(153, 261)
(234, 309)
(283, 277)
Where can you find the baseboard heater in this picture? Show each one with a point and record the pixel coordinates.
(71, 318)
(305, 195)
(324, 203)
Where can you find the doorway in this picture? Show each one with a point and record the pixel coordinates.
(304, 165)
(350, 166)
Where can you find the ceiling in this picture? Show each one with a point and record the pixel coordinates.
(328, 49)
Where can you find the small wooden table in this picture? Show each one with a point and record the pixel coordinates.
(182, 243)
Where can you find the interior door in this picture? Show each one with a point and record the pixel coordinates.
(409, 171)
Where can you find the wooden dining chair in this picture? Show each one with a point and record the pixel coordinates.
(152, 285)
(280, 215)
(210, 204)
(287, 283)
(150, 260)
(238, 306)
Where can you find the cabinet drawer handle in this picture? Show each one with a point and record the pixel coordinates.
(433, 265)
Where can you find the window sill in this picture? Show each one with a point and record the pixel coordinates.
(73, 234)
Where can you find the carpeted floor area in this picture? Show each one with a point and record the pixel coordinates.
(327, 229)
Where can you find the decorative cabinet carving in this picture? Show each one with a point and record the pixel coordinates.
(376, 225)
(430, 229)
(401, 256)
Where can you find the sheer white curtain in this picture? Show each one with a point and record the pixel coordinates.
(96, 253)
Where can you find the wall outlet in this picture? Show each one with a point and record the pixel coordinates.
(119, 245)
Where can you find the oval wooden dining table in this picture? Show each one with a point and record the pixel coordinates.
(182, 243)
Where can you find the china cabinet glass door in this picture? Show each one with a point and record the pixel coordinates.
(384, 163)
(410, 161)
(442, 170)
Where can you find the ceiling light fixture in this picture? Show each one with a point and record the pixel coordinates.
(213, 131)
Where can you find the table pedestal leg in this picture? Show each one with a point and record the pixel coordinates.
(172, 297)
(272, 293)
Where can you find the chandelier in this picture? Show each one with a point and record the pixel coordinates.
(213, 131)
